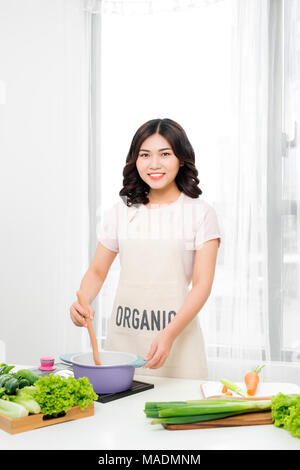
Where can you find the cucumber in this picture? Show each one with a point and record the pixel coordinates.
(11, 386)
(27, 374)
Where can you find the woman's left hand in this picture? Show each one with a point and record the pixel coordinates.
(159, 351)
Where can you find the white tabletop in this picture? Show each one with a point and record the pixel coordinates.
(122, 424)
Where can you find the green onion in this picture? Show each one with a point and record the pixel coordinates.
(193, 419)
(215, 400)
(154, 404)
(152, 408)
(187, 410)
(207, 408)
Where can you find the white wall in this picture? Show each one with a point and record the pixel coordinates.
(43, 150)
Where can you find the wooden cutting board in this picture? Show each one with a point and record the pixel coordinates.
(247, 419)
(34, 421)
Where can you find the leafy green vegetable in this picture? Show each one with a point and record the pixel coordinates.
(2, 368)
(28, 374)
(29, 391)
(55, 393)
(280, 407)
(22, 399)
(4, 378)
(12, 410)
(7, 369)
(11, 386)
(286, 412)
(24, 383)
(293, 421)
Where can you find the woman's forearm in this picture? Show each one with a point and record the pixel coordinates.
(91, 285)
(193, 303)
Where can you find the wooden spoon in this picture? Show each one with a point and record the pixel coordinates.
(83, 304)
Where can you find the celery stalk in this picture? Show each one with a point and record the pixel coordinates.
(234, 387)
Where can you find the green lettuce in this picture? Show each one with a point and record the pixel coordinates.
(285, 411)
(28, 391)
(56, 394)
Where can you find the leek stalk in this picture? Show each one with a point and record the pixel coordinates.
(193, 419)
(187, 410)
(207, 408)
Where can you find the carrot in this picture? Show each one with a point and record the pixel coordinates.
(252, 380)
(225, 390)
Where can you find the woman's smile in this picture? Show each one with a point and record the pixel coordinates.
(156, 176)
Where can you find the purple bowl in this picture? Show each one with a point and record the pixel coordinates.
(115, 373)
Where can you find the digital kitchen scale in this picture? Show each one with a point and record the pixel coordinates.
(136, 386)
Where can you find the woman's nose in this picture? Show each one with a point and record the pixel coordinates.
(155, 163)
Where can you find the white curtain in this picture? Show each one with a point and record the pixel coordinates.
(143, 7)
(44, 175)
(222, 90)
(235, 319)
(291, 178)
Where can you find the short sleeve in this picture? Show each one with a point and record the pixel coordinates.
(207, 227)
(107, 231)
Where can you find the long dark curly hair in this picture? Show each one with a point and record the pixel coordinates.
(134, 189)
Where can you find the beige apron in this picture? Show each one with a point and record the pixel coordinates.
(152, 287)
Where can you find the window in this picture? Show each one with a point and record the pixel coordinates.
(179, 65)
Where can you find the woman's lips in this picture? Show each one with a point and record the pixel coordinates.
(156, 176)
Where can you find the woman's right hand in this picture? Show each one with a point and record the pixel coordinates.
(78, 314)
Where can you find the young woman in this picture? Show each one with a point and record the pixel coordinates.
(167, 237)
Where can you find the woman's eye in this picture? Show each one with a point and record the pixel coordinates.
(146, 154)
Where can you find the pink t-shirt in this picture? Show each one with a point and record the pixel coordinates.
(192, 221)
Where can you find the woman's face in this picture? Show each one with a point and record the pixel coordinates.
(157, 156)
